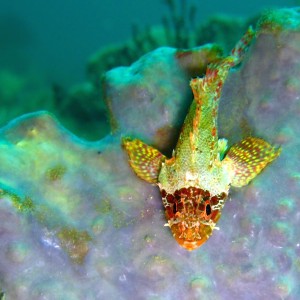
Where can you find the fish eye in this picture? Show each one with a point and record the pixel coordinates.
(208, 209)
(174, 209)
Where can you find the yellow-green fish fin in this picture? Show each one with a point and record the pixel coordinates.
(249, 157)
(145, 160)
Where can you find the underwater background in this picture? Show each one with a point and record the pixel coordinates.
(75, 220)
(51, 51)
(58, 37)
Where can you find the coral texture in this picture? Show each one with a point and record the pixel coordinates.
(76, 223)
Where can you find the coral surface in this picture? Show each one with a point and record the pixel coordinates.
(76, 223)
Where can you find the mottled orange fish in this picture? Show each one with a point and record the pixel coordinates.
(194, 183)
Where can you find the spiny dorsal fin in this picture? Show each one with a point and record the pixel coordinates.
(249, 157)
(145, 160)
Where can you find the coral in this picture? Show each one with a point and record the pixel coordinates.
(79, 108)
(180, 25)
(91, 230)
(223, 30)
(83, 111)
(179, 28)
(27, 94)
(122, 84)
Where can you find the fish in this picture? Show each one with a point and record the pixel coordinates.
(194, 183)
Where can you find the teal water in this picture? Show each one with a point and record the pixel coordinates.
(57, 37)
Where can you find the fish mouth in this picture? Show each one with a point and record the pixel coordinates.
(191, 238)
(191, 245)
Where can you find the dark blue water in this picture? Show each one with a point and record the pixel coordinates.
(56, 37)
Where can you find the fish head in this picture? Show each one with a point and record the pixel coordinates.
(192, 214)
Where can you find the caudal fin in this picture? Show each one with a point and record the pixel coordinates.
(242, 45)
(217, 72)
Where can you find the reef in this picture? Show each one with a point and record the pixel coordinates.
(76, 223)
(180, 28)
(78, 108)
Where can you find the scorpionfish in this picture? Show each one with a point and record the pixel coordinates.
(194, 183)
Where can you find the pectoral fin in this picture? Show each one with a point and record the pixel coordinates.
(249, 157)
(144, 160)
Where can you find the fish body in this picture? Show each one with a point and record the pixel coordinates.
(195, 182)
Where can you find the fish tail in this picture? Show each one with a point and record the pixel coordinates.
(242, 46)
(217, 72)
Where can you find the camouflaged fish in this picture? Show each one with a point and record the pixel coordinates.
(194, 183)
